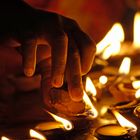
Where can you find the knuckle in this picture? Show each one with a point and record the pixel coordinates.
(59, 67)
(76, 55)
(60, 36)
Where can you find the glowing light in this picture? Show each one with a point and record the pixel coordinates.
(136, 84)
(103, 79)
(107, 53)
(137, 94)
(137, 30)
(103, 110)
(123, 121)
(4, 138)
(113, 38)
(37, 135)
(92, 109)
(125, 66)
(90, 88)
(67, 124)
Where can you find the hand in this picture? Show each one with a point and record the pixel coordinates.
(12, 82)
(72, 51)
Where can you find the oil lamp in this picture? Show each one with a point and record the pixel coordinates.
(111, 42)
(125, 131)
(60, 123)
(108, 46)
(122, 88)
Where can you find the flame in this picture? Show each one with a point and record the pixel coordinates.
(137, 30)
(113, 38)
(90, 88)
(37, 135)
(67, 124)
(103, 79)
(4, 138)
(137, 94)
(107, 53)
(103, 110)
(136, 84)
(123, 121)
(88, 103)
(125, 66)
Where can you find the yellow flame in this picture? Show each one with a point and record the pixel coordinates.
(90, 88)
(37, 135)
(4, 138)
(137, 94)
(137, 30)
(67, 124)
(125, 66)
(136, 84)
(123, 121)
(103, 110)
(90, 105)
(115, 34)
(107, 53)
(111, 50)
(103, 79)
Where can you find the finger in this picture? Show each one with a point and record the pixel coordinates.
(29, 56)
(45, 70)
(59, 46)
(86, 46)
(74, 78)
(87, 50)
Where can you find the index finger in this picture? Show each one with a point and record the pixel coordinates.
(29, 56)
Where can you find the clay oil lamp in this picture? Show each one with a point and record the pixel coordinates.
(125, 130)
(55, 128)
(122, 88)
(113, 48)
(127, 107)
(108, 46)
(63, 125)
(132, 49)
(59, 124)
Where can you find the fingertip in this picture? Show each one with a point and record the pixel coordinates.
(28, 72)
(76, 94)
(57, 81)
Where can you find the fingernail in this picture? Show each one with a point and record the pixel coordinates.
(77, 94)
(28, 72)
(57, 81)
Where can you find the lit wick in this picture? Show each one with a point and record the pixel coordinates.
(37, 135)
(67, 125)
